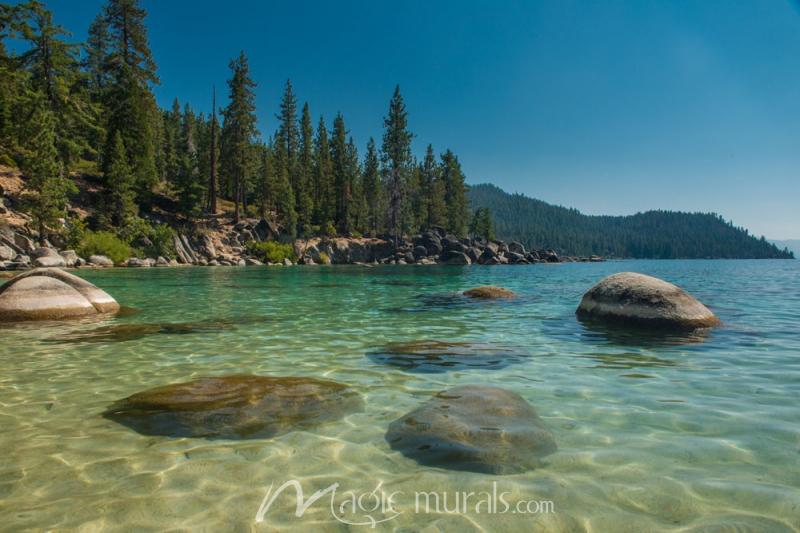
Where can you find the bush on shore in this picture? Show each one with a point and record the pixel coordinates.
(271, 251)
(103, 243)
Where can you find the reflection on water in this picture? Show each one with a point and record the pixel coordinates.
(653, 433)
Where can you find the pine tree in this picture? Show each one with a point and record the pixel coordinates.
(373, 193)
(239, 129)
(434, 208)
(96, 50)
(212, 156)
(121, 207)
(128, 99)
(396, 158)
(287, 133)
(455, 194)
(342, 180)
(356, 212)
(47, 185)
(189, 183)
(305, 174)
(324, 201)
(53, 67)
(481, 224)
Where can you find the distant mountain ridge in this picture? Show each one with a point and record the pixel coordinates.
(648, 235)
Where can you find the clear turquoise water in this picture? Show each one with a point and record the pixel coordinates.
(689, 434)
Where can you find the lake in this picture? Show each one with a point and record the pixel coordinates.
(684, 433)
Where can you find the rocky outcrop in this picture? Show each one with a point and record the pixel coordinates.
(474, 428)
(51, 294)
(235, 407)
(630, 298)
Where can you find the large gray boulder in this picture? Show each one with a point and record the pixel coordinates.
(47, 257)
(50, 294)
(637, 299)
(474, 428)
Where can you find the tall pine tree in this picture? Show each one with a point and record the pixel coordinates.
(239, 130)
(396, 159)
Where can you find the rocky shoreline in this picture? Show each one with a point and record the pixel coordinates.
(225, 245)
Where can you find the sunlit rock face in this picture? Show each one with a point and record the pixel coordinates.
(52, 294)
(474, 428)
(636, 299)
(235, 407)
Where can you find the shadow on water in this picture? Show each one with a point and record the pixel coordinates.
(631, 360)
(431, 356)
(128, 332)
(625, 335)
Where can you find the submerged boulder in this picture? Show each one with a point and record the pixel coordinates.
(489, 292)
(441, 356)
(473, 428)
(51, 293)
(637, 299)
(235, 407)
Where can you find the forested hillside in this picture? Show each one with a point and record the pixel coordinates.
(654, 234)
(70, 109)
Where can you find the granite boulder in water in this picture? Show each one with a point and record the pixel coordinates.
(235, 407)
(629, 298)
(50, 294)
(473, 428)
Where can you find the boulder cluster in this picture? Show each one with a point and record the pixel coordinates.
(474, 428)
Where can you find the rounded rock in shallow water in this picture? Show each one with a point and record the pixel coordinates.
(50, 294)
(637, 299)
(473, 428)
(489, 292)
(235, 407)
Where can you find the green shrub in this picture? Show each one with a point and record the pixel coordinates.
(162, 237)
(323, 258)
(330, 230)
(271, 251)
(104, 243)
(75, 232)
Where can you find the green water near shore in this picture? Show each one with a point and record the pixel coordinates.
(689, 434)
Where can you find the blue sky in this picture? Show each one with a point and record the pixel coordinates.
(611, 107)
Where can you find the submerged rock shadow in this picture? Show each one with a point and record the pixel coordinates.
(432, 356)
(128, 332)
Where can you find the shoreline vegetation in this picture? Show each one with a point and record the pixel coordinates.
(90, 165)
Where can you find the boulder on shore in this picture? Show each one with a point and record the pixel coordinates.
(489, 292)
(473, 428)
(243, 406)
(100, 261)
(637, 299)
(50, 294)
